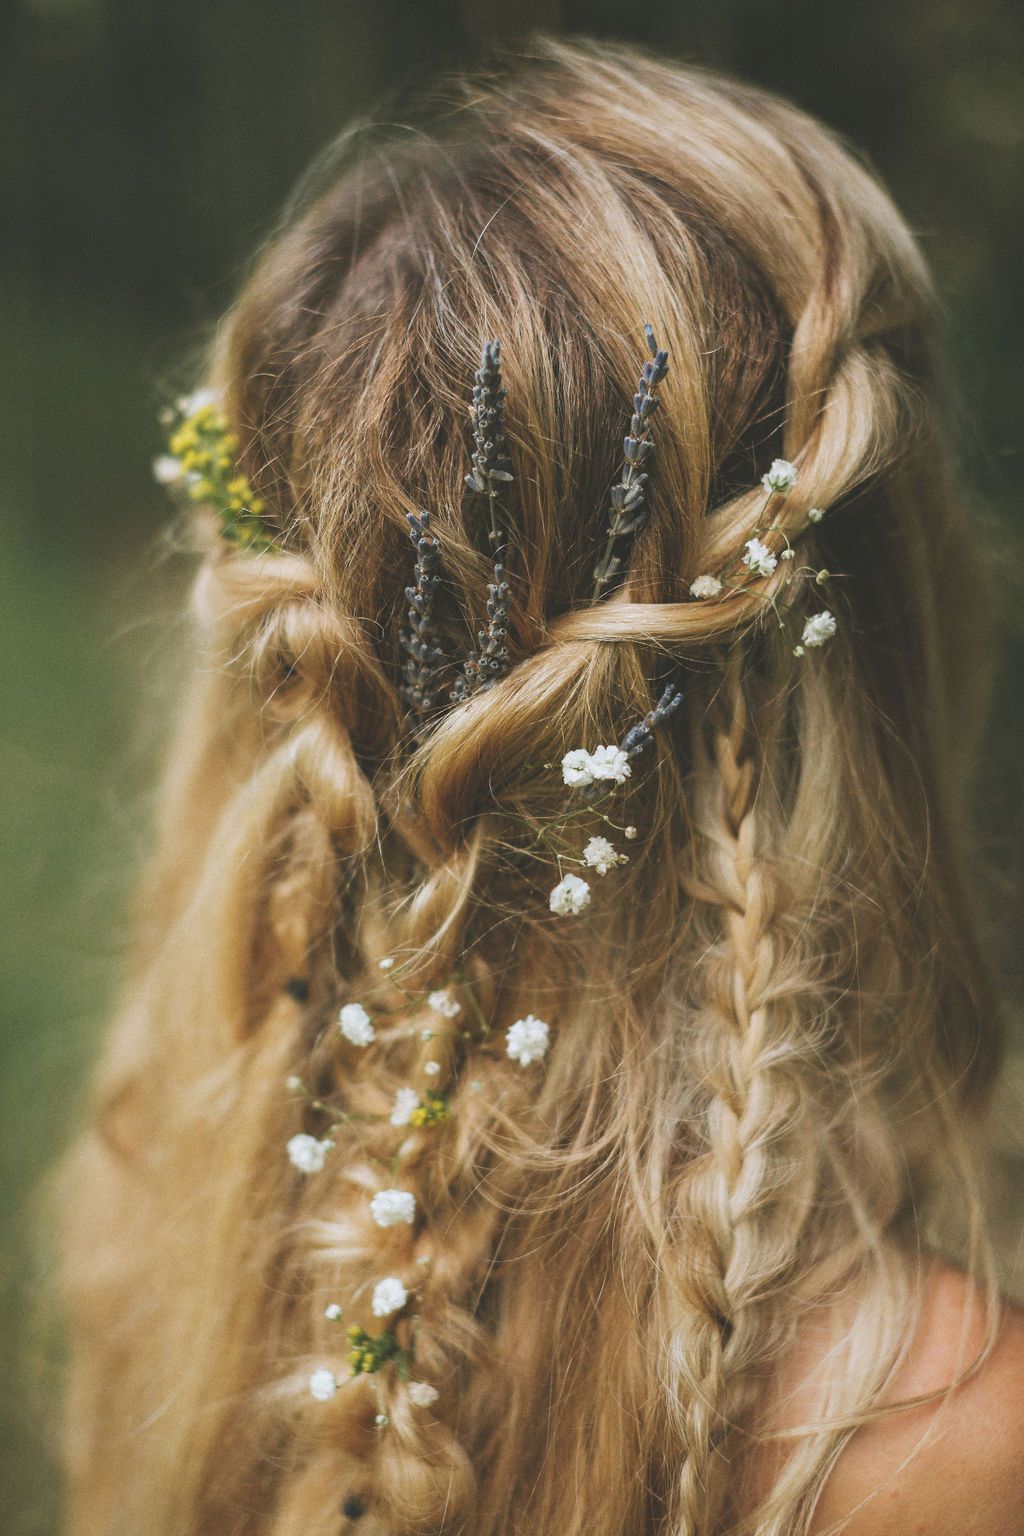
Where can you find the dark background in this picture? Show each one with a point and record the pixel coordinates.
(146, 148)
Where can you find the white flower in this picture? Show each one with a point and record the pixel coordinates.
(422, 1394)
(780, 478)
(759, 558)
(527, 1040)
(815, 514)
(406, 1100)
(600, 855)
(166, 469)
(818, 628)
(432, 1068)
(610, 763)
(188, 405)
(307, 1154)
(577, 770)
(354, 1023)
(381, 1420)
(293, 1084)
(389, 1295)
(442, 1002)
(705, 586)
(787, 554)
(333, 1313)
(323, 1384)
(390, 1207)
(631, 833)
(386, 963)
(569, 896)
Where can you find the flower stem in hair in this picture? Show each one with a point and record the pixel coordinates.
(425, 656)
(628, 511)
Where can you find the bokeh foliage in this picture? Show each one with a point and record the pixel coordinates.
(146, 148)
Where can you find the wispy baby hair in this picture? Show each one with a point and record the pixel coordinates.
(503, 1078)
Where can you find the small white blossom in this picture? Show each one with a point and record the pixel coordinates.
(442, 1002)
(426, 1034)
(705, 586)
(631, 833)
(422, 1394)
(333, 1313)
(610, 763)
(406, 1100)
(166, 469)
(381, 1420)
(387, 963)
(569, 896)
(392, 1207)
(432, 1068)
(188, 405)
(599, 854)
(389, 1295)
(293, 1084)
(818, 628)
(759, 558)
(798, 650)
(780, 478)
(354, 1023)
(815, 514)
(307, 1154)
(577, 770)
(476, 1086)
(323, 1384)
(787, 554)
(527, 1040)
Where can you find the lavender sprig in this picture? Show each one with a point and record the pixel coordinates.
(640, 736)
(628, 509)
(425, 655)
(491, 470)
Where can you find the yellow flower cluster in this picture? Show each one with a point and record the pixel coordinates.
(368, 1352)
(205, 449)
(432, 1110)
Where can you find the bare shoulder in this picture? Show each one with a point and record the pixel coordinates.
(950, 1468)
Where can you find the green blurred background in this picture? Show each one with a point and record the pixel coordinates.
(146, 148)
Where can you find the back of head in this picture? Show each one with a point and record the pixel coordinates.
(749, 1057)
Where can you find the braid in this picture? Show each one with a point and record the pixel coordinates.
(750, 1193)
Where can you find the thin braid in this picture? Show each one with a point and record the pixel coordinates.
(751, 1191)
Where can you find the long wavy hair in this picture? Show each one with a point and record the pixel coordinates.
(769, 1033)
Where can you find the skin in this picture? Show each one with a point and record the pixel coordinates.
(951, 1468)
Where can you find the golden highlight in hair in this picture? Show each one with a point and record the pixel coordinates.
(766, 1045)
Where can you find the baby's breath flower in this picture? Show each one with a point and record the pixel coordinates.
(293, 1084)
(406, 1100)
(166, 469)
(422, 1394)
(354, 1023)
(381, 1420)
(569, 896)
(323, 1384)
(527, 1040)
(432, 1068)
(705, 586)
(392, 1207)
(787, 554)
(631, 833)
(307, 1154)
(780, 478)
(798, 650)
(818, 628)
(610, 763)
(333, 1313)
(442, 1002)
(759, 558)
(387, 963)
(600, 854)
(577, 770)
(815, 514)
(389, 1295)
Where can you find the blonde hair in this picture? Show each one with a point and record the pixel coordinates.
(766, 1046)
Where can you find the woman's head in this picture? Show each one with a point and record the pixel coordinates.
(764, 1030)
